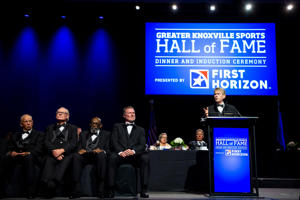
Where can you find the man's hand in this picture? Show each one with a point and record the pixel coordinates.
(98, 150)
(122, 154)
(57, 152)
(25, 153)
(129, 152)
(82, 151)
(205, 111)
(60, 157)
(13, 154)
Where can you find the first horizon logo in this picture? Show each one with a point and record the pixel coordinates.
(199, 79)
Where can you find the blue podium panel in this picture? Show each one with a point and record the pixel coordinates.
(231, 170)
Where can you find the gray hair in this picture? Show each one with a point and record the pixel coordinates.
(161, 135)
(220, 89)
(199, 130)
(21, 118)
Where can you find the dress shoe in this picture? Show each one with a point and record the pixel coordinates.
(100, 195)
(51, 185)
(30, 195)
(74, 195)
(110, 194)
(49, 195)
(50, 189)
(144, 195)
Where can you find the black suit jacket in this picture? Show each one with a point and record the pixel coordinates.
(33, 143)
(229, 110)
(69, 146)
(104, 140)
(121, 141)
(194, 144)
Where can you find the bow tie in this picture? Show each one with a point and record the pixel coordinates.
(94, 136)
(129, 124)
(95, 133)
(62, 125)
(25, 135)
(220, 105)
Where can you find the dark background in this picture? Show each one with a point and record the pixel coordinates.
(96, 67)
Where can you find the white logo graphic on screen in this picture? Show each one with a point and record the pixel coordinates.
(227, 152)
(199, 78)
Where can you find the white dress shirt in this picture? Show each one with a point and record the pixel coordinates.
(221, 108)
(129, 127)
(95, 135)
(25, 135)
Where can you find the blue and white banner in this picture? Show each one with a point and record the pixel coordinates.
(195, 58)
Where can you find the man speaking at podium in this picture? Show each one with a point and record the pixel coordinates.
(220, 108)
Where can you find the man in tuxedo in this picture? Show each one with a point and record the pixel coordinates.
(60, 142)
(220, 108)
(26, 149)
(199, 142)
(128, 142)
(93, 148)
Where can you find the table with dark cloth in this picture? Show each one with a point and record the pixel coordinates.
(175, 170)
(170, 170)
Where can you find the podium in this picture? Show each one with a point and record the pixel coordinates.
(232, 156)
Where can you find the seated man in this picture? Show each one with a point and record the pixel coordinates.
(199, 143)
(128, 146)
(93, 148)
(220, 108)
(25, 148)
(61, 142)
(161, 144)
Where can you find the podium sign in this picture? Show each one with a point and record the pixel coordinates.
(231, 155)
(231, 160)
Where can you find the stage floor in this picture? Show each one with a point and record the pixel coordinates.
(264, 193)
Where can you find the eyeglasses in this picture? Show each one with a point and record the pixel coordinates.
(27, 121)
(62, 113)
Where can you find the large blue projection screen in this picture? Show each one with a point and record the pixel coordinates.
(195, 58)
(231, 160)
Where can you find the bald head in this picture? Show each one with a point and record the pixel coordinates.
(62, 114)
(96, 123)
(26, 122)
